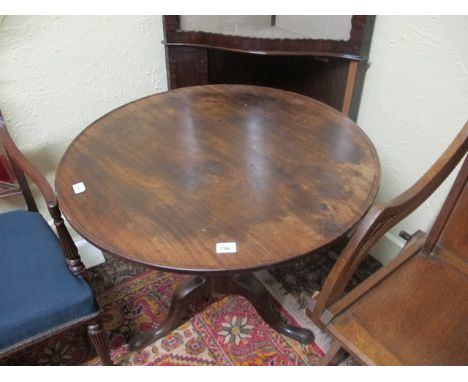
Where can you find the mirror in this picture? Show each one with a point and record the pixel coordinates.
(327, 27)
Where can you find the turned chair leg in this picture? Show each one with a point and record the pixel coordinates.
(335, 349)
(99, 342)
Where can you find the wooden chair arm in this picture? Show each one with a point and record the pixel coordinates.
(380, 218)
(19, 160)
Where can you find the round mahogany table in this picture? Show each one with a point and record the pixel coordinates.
(164, 179)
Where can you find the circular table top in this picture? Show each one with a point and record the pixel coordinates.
(169, 176)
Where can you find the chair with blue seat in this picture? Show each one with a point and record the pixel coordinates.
(43, 281)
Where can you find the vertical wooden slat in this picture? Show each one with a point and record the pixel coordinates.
(349, 90)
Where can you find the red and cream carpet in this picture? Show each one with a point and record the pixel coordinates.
(227, 331)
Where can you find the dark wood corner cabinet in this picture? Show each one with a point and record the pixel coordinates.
(329, 70)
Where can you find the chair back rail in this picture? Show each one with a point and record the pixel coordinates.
(19, 174)
(24, 187)
(22, 165)
(449, 229)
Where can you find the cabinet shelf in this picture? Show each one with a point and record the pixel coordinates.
(329, 70)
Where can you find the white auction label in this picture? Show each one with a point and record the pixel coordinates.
(79, 188)
(226, 247)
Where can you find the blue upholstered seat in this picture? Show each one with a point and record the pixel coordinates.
(37, 291)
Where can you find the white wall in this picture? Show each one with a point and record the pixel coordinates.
(317, 26)
(415, 100)
(287, 26)
(58, 74)
(221, 23)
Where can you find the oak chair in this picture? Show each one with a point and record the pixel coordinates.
(414, 310)
(42, 278)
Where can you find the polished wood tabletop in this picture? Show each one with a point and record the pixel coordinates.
(169, 176)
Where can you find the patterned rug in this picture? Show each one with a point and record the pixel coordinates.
(303, 277)
(227, 331)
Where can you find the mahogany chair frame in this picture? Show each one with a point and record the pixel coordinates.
(22, 167)
(331, 301)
